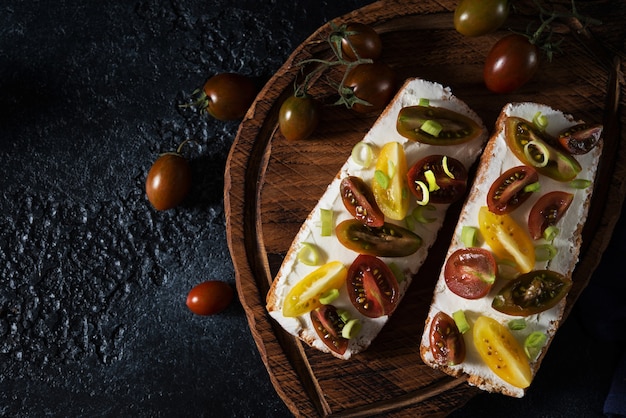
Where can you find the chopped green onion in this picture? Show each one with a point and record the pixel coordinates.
(396, 272)
(351, 329)
(362, 154)
(425, 193)
(329, 296)
(326, 215)
(517, 324)
(469, 235)
(534, 343)
(423, 102)
(532, 187)
(431, 127)
(382, 179)
(550, 233)
(391, 168)
(309, 254)
(418, 214)
(446, 169)
(540, 121)
(461, 321)
(432, 180)
(343, 315)
(543, 150)
(580, 183)
(545, 252)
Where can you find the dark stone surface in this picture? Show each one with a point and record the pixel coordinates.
(93, 281)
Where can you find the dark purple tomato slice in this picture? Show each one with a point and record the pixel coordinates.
(532, 293)
(470, 272)
(455, 127)
(389, 240)
(446, 341)
(509, 191)
(358, 199)
(451, 185)
(372, 286)
(547, 211)
(581, 138)
(328, 325)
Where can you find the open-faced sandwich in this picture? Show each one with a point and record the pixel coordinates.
(501, 293)
(357, 252)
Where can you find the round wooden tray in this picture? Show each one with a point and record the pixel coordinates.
(271, 185)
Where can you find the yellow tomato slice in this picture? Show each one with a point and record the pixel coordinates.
(507, 239)
(502, 352)
(305, 295)
(389, 185)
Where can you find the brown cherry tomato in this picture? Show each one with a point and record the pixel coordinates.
(509, 191)
(446, 341)
(358, 199)
(369, 87)
(581, 138)
(210, 297)
(479, 17)
(449, 189)
(227, 96)
(168, 181)
(455, 128)
(298, 117)
(389, 240)
(328, 325)
(547, 211)
(511, 63)
(372, 287)
(362, 40)
(470, 272)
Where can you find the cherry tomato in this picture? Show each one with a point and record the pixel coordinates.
(227, 96)
(547, 211)
(507, 239)
(372, 287)
(532, 293)
(446, 342)
(389, 240)
(450, 185)
(470, 272)
(511, 63)
(305, 295)
(358, 199)
(455, 128)
(532, 147)
(389, 185)
(298, 117)
(210, 297)
(362, 40)
(328, 324)
(168, 181)
(479, 17)
(370, 87)
(502, 353)
(508, 192)
(580, 138)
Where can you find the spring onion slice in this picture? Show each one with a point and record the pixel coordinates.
(425, 193)
(432, 180)
(469, 235)
(446, 169)
(420, 216)
(580, 183)
(533, 344)
(550, 233)
(424, 102)
(540, 121)
(517, 324)
(382, 179)
(362, 154)
(326, 216)
(431, 127)
(329, 296)
(461, 321)
(543, 150)
(532, 187)
(309, 254)
(545, 252)
(351, 329)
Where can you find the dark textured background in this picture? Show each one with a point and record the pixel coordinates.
(93, 281)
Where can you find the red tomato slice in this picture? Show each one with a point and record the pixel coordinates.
(547, 211)
(372, 287)
(508, 192)
(328, 324)
(446, 341)
(470, 272)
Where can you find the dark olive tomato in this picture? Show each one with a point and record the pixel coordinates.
(298, 117)
(358, 199)
(168, 181)
(369, 87)
(479, 17)
(532, 293)
(521, 134)
(446, 341)
(389, 240)
(450, 189)
(580, 138)
(470, 272)
(508, 192)
(511, 63)
(547, 211)
(372, 287)
(362, 40)
(328, 326)
(455, 128)
(227, 96)
(210, 297)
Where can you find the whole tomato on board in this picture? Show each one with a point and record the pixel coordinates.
(479, 17)
(209, 297)
(368, 87)
(298, 116)
(169, 180)
(359, 40)
(511, 63)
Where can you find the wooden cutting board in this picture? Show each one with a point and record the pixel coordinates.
(271, 185)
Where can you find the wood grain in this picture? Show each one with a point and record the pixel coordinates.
(271, 185)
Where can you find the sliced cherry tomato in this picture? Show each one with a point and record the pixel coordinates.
(369, 87)
(479, 17)
(305, 295)
(328, 325)
(168, 181)
(532, 147)
(455, 127)
(500, 350)
(389, 240)
(210, 297)
(470, 272)
(446, 341)
(531, 293)
(450, 180)
(511, 63)
(298, 117)
(372, 286)
(508, 192)
(507, 239)
(226, 96)
(362, 40)
(389, 185)
(358, 199)
(581, 138)
(547, 211)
